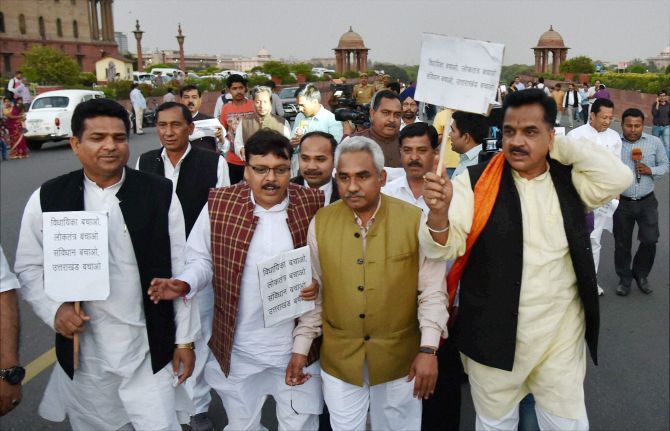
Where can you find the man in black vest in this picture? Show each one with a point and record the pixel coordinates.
(191, 97)
(316, 164)
(193, 172)
(571, 103)
(132, 350)
(528, 293)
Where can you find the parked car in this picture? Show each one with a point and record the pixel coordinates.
(143, 78)
(287, 96)
(50, 115)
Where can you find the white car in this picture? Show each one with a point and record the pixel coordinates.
(50, 115)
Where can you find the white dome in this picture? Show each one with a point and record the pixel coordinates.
(263, 53)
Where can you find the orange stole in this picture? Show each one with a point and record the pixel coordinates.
(486, 192)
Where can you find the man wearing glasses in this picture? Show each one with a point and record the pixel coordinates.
(240, 227)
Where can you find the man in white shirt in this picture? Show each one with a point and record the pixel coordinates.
(139, 104)
(242, 226)
(418, 147)
(191, 97)
(193, 172)
(317, 152)
(572, 103)
(13, 84)
(133, 352)
(467, 134)
(598, 131)
(591, 93)
(11, 373)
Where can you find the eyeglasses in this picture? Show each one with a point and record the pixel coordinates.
(279, 171)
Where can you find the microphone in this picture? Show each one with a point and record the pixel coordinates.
(636, 155)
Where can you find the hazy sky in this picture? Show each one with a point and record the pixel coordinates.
(610, 30)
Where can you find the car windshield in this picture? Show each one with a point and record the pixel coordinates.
(287, 93)
(51, 102)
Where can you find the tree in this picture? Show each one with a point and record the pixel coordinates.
(581, 64)
(507, 73)
(46, 65)
(395, 72)
(636, 66)
(278, 69)
(652, 68)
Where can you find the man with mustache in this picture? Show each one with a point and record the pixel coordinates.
(190, 96)
(131, 348)
(418, 147)
(317, 152)
(598, 131)
(528, 295)
(262, 118)
(241, 226)
(385, 115)
(193, 172)
(383, 303)
(410, 107)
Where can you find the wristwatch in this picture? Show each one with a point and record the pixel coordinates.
(189, 346)
(13, 375)
(428, 350)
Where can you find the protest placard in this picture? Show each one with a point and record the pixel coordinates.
(281, 279)
(457, 73)
(205, 128)
(76, 262)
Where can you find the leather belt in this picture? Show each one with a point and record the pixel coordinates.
(626, 198)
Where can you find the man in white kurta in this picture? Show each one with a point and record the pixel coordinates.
(598, 131)
(550, 354)
(115, 386)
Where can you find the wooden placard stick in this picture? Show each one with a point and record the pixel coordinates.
(75, 339)
(445, 145)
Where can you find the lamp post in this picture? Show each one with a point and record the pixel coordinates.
(180, 40)
(138, 36)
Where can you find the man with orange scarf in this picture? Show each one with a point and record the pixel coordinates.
(528, 295)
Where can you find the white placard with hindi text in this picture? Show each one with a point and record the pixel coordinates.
(76, 256)
(281, 279)
(457, 73)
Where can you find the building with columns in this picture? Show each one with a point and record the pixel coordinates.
(550, 42)
(83, 29)
(351, 53)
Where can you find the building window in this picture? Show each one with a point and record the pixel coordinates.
(43, 31)
(2, 22)
(80, 60)
(59, 28)
(22, 24)
(7, 68)
(75, 29)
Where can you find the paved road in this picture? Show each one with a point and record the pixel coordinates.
(629, 390)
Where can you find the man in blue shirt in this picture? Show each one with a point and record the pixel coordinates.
(638, 204)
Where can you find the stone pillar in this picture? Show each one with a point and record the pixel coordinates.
(556, 61)
(364, 61)
(110, 20)
(89, 3)
(347, 61)
(94, 24)
(357, 53)
(537, 60)
(103, 19)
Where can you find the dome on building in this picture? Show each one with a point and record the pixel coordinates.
(550, 39)
(263, 53)
(666, 51)
(351, 40)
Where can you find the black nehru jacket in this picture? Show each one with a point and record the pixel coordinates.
(491, 283)
(145, 202)
(208, 142)
(334, 196)
(197, 174)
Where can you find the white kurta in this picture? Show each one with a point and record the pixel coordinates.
(260, 355)
(114, 358)
(399, 189)
(602, 216)
(550, 358)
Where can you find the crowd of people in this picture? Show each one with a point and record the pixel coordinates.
(15, 103)
(487, 268)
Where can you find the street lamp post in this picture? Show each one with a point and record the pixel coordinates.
(180, 40)
(138, 36)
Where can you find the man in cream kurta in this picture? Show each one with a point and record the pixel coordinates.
(549, 357)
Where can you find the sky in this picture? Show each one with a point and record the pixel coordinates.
(607, 30)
